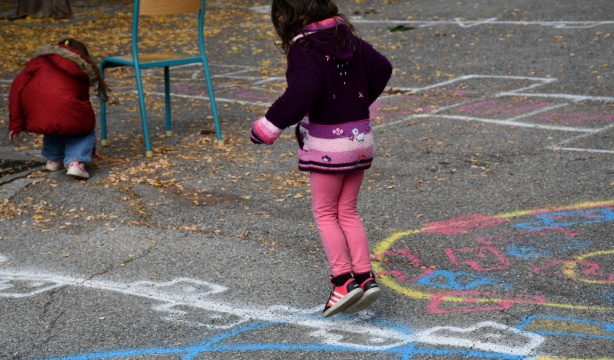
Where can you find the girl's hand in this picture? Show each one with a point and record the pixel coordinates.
(264, 132)
(14, 135)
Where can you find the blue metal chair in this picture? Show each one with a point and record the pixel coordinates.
(165, 59)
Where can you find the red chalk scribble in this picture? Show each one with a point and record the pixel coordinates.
(463, 224)
(483, 258)
(575, 269)
(401, 276)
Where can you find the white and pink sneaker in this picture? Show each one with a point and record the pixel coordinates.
(76, 169)
(54, 166)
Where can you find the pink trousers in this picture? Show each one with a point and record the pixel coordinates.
(334, 198)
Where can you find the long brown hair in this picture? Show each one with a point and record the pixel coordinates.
(290, 17)
(101, 86)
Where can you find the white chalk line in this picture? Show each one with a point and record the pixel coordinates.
(560, 146)
(490, 21)
(514, 121)
(186, 292)
(596, 151)
(574, 98)
(436, 113)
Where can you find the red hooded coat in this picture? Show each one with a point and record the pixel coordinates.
(51, 95)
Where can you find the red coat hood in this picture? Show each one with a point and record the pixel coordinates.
(69, 60)
(51, 94)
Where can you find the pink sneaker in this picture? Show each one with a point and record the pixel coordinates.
(371, 292)
(54, 166)
(76, 169)
(342, 295)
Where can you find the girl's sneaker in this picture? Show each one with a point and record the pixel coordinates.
(76, 169)
(371, 292)
(345, 292)
(54, 165)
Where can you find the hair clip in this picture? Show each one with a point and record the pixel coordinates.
(66, 42)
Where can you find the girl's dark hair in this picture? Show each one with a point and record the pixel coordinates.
(101, 85)
(290, 17)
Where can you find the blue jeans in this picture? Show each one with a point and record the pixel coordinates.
(69, 148)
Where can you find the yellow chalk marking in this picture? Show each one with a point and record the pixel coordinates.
(570, 268)
(387, 243)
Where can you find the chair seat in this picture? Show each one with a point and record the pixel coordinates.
(164, 58)
(157, 56)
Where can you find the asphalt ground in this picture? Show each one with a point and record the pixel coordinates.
(489, 207)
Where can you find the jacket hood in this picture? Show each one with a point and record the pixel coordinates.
(69, 54)
(331, 37)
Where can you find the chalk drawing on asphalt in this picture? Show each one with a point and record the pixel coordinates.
(348, 334)
(361, 334)
(470, 289)
(474, 280)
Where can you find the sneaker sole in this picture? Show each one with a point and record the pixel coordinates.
(52, 169)
(342, 304)
(368, 298)
(77, 175)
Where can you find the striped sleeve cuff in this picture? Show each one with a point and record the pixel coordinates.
(264, 131)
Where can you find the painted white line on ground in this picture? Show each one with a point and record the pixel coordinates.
(515, 123)
(582, 150)
(217, 99)
(561, 148)
(272, 78)
(574, 98)
(469, 24)
(539, 111)
(490, 22)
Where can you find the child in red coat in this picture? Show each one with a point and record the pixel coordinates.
(51, 97)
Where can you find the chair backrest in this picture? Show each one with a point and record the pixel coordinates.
(168, 7)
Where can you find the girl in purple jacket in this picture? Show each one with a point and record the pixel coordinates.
(333, 77)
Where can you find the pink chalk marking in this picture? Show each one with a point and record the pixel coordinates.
(463, 224)
(574, 118)
(484, 254)
(404, 279)
(415, 262)
(584, 270)
(488, 107)
(375, 111)
(473, 297)
(184, 89)
(249, 94)
(524, 235)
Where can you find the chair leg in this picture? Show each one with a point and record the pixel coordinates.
(216, 120)
(139, 85)
(167, 99)
(103, 117)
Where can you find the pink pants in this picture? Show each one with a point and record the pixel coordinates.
(334, 208)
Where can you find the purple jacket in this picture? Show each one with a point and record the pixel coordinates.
(330, 89)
